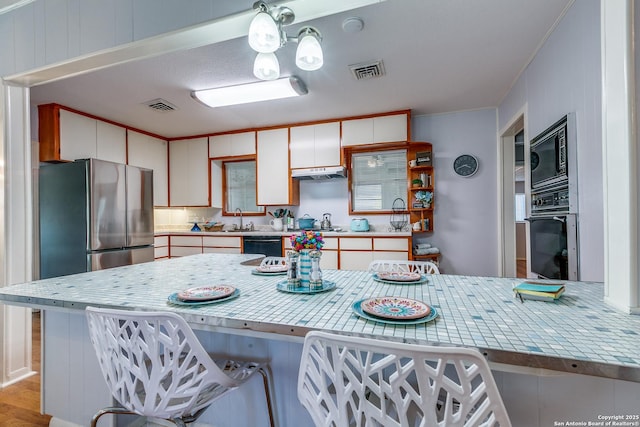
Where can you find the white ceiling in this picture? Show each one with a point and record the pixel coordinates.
(439, 56)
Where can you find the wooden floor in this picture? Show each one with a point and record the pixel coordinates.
(20, 403)
(521, 268)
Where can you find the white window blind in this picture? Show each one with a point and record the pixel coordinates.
(378, 178)
(241, 186)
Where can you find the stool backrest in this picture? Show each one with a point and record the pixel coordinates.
(354, 381)
(422, 267)
(153, 363)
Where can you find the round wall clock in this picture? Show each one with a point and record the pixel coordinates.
(465, 165)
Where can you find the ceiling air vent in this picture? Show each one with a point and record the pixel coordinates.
(367, 70)
(161, 105)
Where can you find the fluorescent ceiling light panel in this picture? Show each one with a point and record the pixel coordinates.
(251, 92)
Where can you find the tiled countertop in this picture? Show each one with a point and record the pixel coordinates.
(576, 334)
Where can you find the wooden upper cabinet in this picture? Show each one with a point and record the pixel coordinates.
(375, 130)
(66, 136)
(315, 145)
(232, 144)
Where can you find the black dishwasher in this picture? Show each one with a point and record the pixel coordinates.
(266, 245)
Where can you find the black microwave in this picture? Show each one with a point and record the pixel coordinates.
(549, 164)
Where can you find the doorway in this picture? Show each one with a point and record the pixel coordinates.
(513, 183)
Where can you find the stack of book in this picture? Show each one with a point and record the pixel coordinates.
(539, 291)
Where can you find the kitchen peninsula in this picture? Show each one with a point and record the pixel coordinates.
(571, 360)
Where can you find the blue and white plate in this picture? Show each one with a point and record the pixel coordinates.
(327, 285)
(357, 309)
(175, 300)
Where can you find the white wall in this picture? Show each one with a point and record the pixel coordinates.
(565, 77)
(47, 32)
(465, 217)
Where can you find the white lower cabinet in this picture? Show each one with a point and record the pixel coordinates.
(221, 245)
(185, 245)
(395, 256)
(330, 253)
(161, 247)
(356, 253)
(355, 260)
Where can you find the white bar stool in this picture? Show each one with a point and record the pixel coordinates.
(155, 366)
(353, 381)
(422, 267)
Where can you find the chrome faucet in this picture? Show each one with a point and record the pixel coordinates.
(234, 214)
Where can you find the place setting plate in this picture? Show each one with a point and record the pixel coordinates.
(400, 277)
(327, 285)
(203, 295)
(394, 310)
(270, 270)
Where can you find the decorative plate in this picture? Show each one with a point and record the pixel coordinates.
(265, 273)
(173, 299)
(206, 293)
(422, 279)
(357, 308)
(327, 285)
(399, 276)
(395, 308)
(273, 268)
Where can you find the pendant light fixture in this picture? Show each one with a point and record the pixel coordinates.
(266, 66)
(309, 52)
(266, 36)
(264, 31)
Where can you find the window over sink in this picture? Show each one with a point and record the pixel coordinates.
(377, 179)
(240, 188)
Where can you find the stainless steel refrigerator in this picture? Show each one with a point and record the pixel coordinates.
(94, 215)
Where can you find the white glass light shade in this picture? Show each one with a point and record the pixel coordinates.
(252, 92)
(309, 53)
(264, 34)
(266, 66)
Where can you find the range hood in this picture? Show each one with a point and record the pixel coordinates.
(328, 172)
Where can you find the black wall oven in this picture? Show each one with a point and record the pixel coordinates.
(554, 246)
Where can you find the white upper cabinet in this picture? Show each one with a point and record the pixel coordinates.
(275, 186)
(66, 136)
(315, 145)
(232, 144)
(216, 184)
(189, 172)
(375, 130)
(111, 142)
(151, 153)
(77, 136)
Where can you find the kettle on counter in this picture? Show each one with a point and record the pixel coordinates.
(326, 221)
